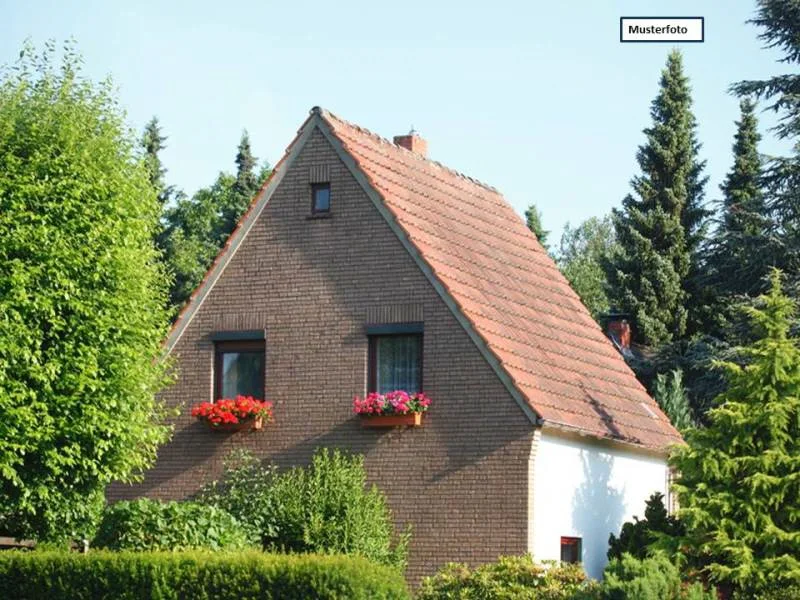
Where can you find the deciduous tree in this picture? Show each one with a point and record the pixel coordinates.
(82, 298)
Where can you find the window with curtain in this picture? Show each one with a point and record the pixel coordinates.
(239, 369)
(395, 363)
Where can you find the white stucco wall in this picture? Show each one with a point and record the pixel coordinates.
(586, 489)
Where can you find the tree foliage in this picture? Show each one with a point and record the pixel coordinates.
(581, 253)
(81, 299)
(196, 228)
(671, 395)
(533, 220)
(738, 484)
(780, 23)
(652, 276)
(742, 249)
(637, 536)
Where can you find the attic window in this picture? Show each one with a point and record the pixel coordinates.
(320, 198)
(571, 549)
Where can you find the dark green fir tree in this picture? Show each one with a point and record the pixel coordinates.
(741, 249)
(533, 220)
(243, 189)
(153, 142)
(780, 24)
(659, 228)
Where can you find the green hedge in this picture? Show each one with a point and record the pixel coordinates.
(195, 575)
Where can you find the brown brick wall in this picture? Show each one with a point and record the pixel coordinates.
(312, 284)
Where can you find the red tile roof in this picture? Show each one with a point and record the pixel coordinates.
(511, 292)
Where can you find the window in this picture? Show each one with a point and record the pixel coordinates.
(395, 363)
(321, 198)
(571, 549)
(239, 369)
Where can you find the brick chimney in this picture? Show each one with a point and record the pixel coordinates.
(412, 142)
(619, 329)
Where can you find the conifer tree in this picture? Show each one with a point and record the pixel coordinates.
(740, 256)
(738, 485)
(243, 189)
(533, 220)
(197, 227)
(153, 144)
(653, 274)
(780, 21)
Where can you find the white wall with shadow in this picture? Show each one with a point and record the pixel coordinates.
(587, 489)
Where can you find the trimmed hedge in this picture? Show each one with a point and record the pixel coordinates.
(195, 575)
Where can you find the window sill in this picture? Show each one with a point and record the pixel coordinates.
(320, 215)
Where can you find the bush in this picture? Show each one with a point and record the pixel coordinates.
(199, 575)
(324, 508)
(654, 578)
(151, 525)
(510, 578)
(636, 536)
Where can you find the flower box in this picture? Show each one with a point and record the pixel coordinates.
(392, 409)
(408, 420)
(231, 415)
(243, 424)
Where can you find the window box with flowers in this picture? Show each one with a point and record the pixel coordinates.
(391, 409)
(234, 414)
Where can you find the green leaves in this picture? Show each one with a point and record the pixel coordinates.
(197, 575)
(81, 300)
(152, 525)
(325, 508)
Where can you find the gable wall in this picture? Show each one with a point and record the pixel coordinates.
(312, 284)
(585, 488)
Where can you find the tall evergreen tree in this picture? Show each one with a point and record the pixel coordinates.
(740, 256)
(659, 229)
(153, 144)
(197, 227)
(780, 21)
(738, 485)
(533, 220)
(243, 189)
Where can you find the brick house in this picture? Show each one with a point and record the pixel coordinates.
(361, 257)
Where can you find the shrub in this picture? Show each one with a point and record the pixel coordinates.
(636, 536)
(510, 578)
(654, 578)
(199, 575)
(151, 525)
(324, 508)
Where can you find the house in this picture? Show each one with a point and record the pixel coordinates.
(362, 265)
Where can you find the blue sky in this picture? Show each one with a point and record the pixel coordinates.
(538, 99)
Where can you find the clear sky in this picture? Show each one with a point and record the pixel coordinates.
(539, 99)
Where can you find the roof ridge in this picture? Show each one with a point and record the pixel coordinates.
(325, 113)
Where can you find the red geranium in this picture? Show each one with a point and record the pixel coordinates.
(232, 411)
